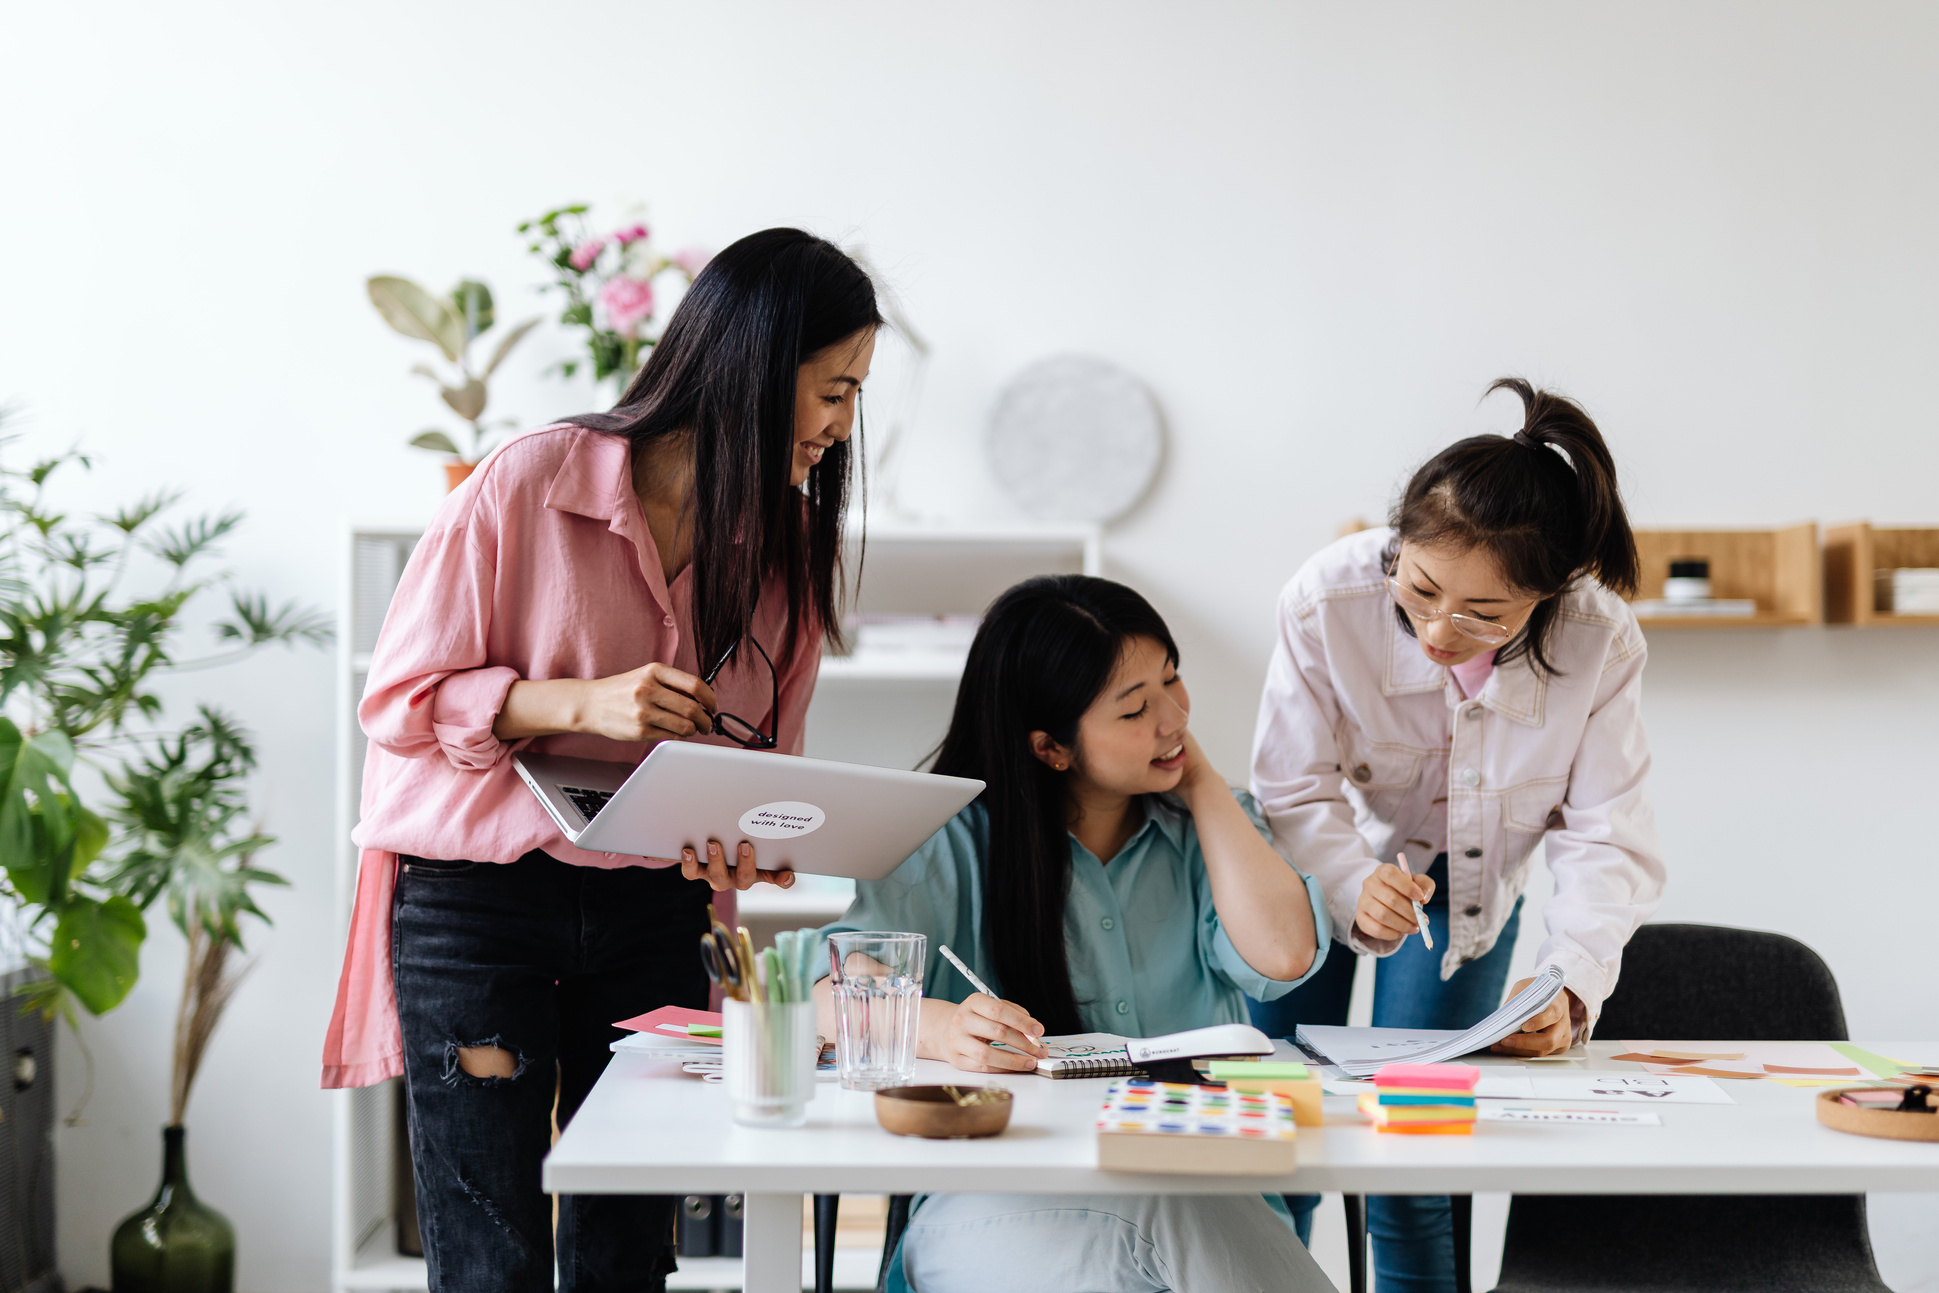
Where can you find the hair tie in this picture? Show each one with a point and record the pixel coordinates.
(1522, 437)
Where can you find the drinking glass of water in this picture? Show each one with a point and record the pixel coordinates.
(878, 996)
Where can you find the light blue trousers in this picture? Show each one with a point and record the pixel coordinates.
(1105, 1243)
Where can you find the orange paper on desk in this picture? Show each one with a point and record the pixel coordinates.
(1741, 1060)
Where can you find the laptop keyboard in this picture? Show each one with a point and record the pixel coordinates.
(588, 802)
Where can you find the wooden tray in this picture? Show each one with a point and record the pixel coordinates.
(1889, 1123)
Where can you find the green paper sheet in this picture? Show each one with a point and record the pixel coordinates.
(1878, 1064)
(1226, 1070)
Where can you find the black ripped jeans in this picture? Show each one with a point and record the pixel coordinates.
(538, 958)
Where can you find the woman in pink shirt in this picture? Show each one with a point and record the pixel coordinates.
(665, 571)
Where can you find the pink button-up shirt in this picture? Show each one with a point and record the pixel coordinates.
(539, 566)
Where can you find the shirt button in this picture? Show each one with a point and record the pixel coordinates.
(1109, 923)
(1469, 777)
(1474, 711)
(1474, 910)
(1123, 1009)
(669, 621)
(1363, 773)
(1472, 853)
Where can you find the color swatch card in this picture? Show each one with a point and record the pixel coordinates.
(1149, 1126)
(1629, 1088)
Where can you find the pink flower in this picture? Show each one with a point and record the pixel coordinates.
(692, 260)
(628, 302)
(586, 253)
(629, 235)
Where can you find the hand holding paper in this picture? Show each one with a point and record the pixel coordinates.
(1549, 1031)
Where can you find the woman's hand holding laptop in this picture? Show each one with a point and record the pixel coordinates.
(742, 875)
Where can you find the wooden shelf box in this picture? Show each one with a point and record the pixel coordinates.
(1781, 570)
(1855, 553)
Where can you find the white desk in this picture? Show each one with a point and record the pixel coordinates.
(647, 1128)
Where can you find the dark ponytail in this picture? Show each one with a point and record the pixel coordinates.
(1045, 651)
(1543, 502)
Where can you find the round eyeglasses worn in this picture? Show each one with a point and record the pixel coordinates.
(1486, 632)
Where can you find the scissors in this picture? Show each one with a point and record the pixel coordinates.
(720, 955)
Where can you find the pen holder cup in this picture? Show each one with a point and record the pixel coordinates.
(768, 1057)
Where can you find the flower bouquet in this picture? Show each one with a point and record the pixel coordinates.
(608, 281)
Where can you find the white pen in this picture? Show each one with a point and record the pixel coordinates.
(1420, 917)
(968, 973)
(976, 983)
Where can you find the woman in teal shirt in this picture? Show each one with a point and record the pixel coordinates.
(1107, 880)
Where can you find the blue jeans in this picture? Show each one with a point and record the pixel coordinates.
(537, 958)
(1413, 1235)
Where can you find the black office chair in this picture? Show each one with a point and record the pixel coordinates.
(828, 1211)
(1701, 981)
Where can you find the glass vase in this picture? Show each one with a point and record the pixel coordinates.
(177, 1244)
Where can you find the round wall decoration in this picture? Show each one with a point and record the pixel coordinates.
(1073, 438)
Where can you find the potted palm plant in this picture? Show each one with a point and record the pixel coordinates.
(82, 641)
(451, 323)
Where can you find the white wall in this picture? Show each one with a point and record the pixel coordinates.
(1316, 230)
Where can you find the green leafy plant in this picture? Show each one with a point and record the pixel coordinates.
(608, 283)
(451, 323)
(80, 653)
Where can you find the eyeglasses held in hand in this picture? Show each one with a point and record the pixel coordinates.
(1486, 632)
(737, 729)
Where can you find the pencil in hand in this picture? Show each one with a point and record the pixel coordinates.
(1420, 916)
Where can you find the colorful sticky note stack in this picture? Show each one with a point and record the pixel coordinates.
(1294, 1081)
(1423, 1099)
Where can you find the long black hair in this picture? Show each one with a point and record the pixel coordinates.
(1547, 518)
(1045, 651)
(724, 373)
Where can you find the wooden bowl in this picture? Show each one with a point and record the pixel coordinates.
(932, 1113)
(1889, 1123)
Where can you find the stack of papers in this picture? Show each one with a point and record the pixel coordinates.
(1361, 1052)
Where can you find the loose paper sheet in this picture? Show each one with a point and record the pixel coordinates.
(1629, 1088)
(1600, 1117)
(1497, 1082)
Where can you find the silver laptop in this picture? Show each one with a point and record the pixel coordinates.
(809, 815)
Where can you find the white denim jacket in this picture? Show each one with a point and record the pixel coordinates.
(1359, 733)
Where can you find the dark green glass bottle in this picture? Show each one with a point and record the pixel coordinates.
(177, 1244)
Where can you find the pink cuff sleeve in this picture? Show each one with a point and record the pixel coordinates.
(463, 711)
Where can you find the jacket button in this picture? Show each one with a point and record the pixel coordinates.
(1472, 853)
(1473, 911)
(1469, 777)
(1363, 773)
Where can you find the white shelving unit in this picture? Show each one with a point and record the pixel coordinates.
(364, 1232)
(886, 708)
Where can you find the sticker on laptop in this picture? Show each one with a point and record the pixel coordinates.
(782, 820)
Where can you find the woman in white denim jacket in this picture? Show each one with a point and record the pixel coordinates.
(1460, 687)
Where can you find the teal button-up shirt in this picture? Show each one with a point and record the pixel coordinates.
(1148, 954)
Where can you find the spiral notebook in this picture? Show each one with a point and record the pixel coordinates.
(1092, 1055)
